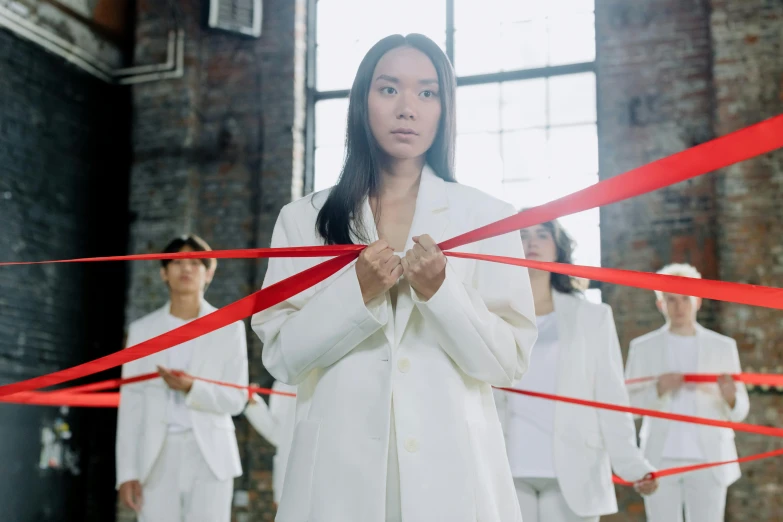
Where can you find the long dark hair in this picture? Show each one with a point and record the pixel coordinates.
(360, 176)
(564, 245)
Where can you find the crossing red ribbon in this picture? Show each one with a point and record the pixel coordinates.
(236, 311)
(695, 467)
(755, 379)
(764, 296)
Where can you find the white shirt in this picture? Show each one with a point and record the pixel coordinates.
(682, 440)
(531, 421)
(179, 358)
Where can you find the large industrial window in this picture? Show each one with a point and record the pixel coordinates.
(526, 102)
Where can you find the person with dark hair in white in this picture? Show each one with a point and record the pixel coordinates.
(562, 455)
(177, 454)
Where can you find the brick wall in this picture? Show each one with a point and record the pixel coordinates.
(218, 153)
(64, 157)
(672, 75)
(747, 42)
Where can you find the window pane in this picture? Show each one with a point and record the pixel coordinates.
(347, 29)
(328, 163)
(524, 104)
(479, 163)
(336, 65)
(476, 51)
(524, 154)
(478, 108)
(331, 118)
(555, 7)
(571, 39)
(573, 151)
(345, 21)
(572, 99)
(521, 46)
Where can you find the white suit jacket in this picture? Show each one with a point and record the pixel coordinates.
(142, 418)
(647, 357)
(588, 442)
(436, 358)
(275, 422)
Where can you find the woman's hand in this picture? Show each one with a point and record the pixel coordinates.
(377, 269)
(647, 485)
(425, 266)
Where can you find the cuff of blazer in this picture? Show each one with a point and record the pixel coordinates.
(198, 395)
(125, 476)
(442, 301)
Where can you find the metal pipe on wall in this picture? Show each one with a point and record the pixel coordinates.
(172, 68)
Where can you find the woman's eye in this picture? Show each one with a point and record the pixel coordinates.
(388, 90)
(429, 94)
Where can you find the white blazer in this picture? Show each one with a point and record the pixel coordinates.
(647, 357)
(142, 421)
(589, 442)
(275, 422)
(436, 358)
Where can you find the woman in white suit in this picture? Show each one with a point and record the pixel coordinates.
(562, 455)
(393, 356)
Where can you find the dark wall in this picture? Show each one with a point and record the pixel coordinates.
(64, 170)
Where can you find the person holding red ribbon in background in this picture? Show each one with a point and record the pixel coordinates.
(177, 454)
(562, 455)
(275, 422)
(683, 346)
(394, 356)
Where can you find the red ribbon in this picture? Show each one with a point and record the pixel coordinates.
(763, 296)
(225, 316)
(721, 152)
(736, 426)
(755, 379)
(695, 467)
(246, 253)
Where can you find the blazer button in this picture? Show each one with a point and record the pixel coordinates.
(412, 445)
(404, 365)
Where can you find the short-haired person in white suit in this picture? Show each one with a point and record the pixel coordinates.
(683, 346)
(395, 355)
(275, 422)
(562, 455)
(177, 453)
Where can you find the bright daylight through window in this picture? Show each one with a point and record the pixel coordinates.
(526, 102)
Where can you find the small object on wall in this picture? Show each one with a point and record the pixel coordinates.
(236, 16)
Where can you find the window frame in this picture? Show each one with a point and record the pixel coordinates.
(313, 95)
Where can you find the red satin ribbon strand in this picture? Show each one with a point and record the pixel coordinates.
(76, 400)
(248, 253)
(695, 467)
(225, 316)
(719, 153)
(763, 296)
(755, 379)
(736, 426)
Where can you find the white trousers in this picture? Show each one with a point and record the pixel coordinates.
(541, 500)
(182, 488)
(698, 493)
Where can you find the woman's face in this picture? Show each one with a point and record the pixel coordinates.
(404, 103)
(539, 244)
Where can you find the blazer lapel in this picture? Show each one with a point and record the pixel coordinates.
(430, 217)
(371, 231)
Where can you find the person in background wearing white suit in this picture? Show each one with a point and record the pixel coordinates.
(394, 356)
(683, 346)
(562, 455)
(177, 454)
(275, 422)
